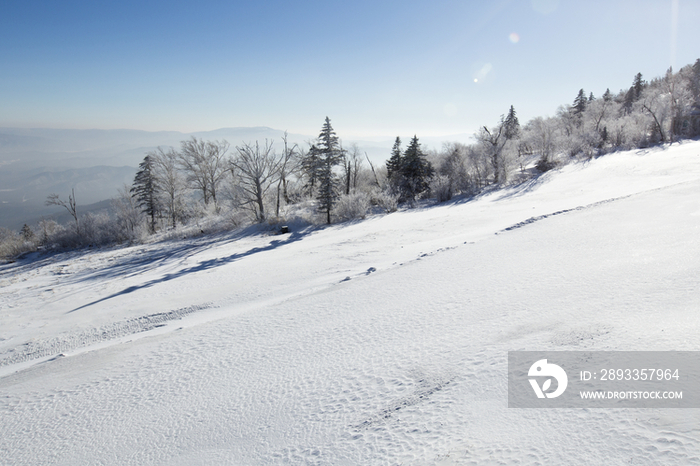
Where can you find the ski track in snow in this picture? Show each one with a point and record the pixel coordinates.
(584, 207)
(382, 342)
(64, 343)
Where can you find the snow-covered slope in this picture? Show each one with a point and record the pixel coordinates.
(377, 342)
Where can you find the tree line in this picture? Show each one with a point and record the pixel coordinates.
(259, 182)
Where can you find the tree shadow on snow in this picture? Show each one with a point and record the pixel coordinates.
(187, 251)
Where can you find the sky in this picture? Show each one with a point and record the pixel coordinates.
(375, 68)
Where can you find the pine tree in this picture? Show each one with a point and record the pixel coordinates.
(145, 190)
(695, 81)
(27, 233)
(393, 165)
(330, 154)
(638, 85)
(311, 167)
(512, 125)
(580, 103)
(416, 171)
(628, 101)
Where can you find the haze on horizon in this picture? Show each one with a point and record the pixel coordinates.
(377, 69)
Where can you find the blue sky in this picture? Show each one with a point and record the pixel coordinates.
(376, 68)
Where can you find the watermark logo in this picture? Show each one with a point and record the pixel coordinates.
(544, 369)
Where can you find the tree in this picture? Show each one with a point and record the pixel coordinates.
(71, 207)
(452, 168)
(128, 214)
(580, 103)
(27, 233)
(352, 162)
(290, 164)
(694, 84)
(634, 93)
(494, 142)
(694, 88)
(512, 125)
(169, 181)
(311, 168)
(145, 190)
(638, 86)
(258, 168)
(416, 171)
(393, 165)
(599, 108)
(330, 154)
(540, 135)
(205, 165)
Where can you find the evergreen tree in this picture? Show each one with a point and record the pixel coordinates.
(695, 92)
(511, 125)
(145, 190)
(638, 85)
(607, 96)
(27, 233)
(580, 103)
(416, 171)
(311, 167)
(628, 101)
(330, 154)
(393, 165)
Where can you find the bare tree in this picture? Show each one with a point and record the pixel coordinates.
(258, 168)
(70, 206)
(494, 142)
(170, 181)
(352, 162)
(291, 162)
(205, 165)
(539, 134)
(374, 172)
(128, 214)
(658, 106)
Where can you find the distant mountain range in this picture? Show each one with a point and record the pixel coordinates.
(96, 163)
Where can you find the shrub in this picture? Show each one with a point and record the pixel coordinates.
(352, 206)
(441, 187)
(387, 201)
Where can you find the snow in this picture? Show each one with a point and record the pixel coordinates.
(381, 341)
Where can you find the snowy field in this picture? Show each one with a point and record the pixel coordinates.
(376, 342)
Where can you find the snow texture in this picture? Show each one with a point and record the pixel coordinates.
(381, 341)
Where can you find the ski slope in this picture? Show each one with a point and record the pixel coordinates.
(381, 341)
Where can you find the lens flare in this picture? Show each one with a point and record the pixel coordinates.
(482, 72)
(514, 37)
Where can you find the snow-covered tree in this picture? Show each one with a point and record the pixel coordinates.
(257, 168)
(70, 206)
(205, 164)
(145, 190)
(128, 215)
(170, 182)
(311, 169)
(416, 171)
(330, 154)
(393, 166)
(291, 164)
(494, 143)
